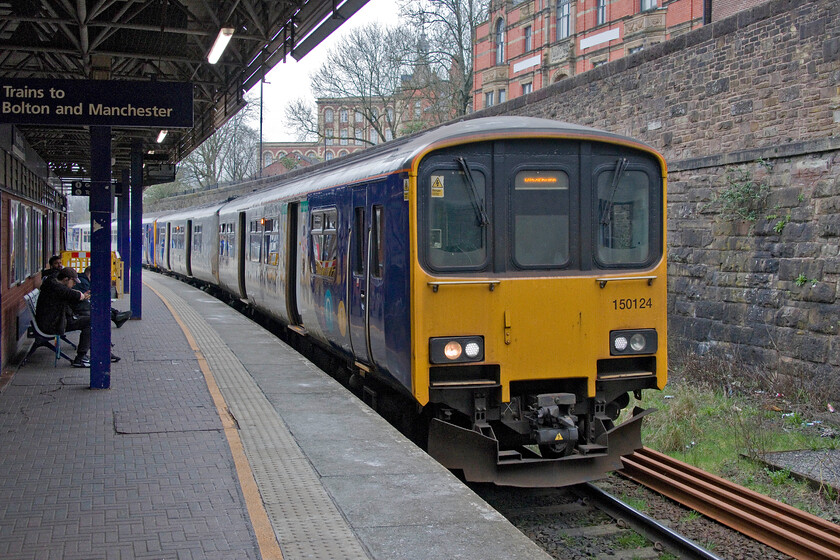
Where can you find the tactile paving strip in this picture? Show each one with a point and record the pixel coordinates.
(305, 519)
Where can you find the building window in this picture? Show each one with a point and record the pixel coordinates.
(328, 115)
(602, 12)
(360, 137)
(374, 137)
(564, 18)
(597, 63)
(343, 136)
(267, 159)
(360, 118)
(342, 115)
(329, 156)
(648, 5)
(528, 38)
(527, 88)
(500, 42)
(634, 50)
(417, 110)
(488, 99)
(389, 134)
(328, 137)
(389, 113)
(502, 96)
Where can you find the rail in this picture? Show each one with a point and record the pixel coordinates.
(644, 525)
(785, 528)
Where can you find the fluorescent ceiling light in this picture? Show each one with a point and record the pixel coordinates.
(162, 135)
(219, 46)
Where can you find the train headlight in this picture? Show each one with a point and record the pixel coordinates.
(637, 341)
(456, 349)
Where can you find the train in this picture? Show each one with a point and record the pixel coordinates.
(503, 277)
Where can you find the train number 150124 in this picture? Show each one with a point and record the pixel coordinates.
(632, 303)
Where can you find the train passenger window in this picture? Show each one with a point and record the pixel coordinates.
(624, 216)
(541, 218)
(324, 242)
(254, 241)
(231, 239)
(222, 240)
(359, 241)
(456, 234)
(271, 240)
(196, 238)
(377, 247)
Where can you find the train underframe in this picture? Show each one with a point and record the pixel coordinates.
(551, 433)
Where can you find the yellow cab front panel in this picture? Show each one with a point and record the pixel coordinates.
(539, 289)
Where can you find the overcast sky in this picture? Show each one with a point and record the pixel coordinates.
(291, 80)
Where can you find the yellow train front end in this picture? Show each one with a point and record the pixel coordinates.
(539, 304)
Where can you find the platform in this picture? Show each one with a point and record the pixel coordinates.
(216, 440)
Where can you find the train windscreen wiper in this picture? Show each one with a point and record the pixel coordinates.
(478, 206)
(620, 167)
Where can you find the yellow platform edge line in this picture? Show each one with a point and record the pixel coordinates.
(266, 539)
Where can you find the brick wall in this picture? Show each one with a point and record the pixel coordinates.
(751, 99)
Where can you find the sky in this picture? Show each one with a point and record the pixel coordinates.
(289, 81)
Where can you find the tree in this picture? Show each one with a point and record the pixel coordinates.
(449, 27)
(229, 155)
(367, 66)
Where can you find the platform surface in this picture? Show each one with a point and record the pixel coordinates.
(216, 440)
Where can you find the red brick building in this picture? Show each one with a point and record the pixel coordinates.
(528, 44)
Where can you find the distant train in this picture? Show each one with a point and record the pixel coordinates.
(78, 237)
(506, 276)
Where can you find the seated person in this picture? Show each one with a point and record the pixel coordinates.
(53, 269)
(54, 311)
(83, 307)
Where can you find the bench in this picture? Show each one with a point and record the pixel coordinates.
(42, 339)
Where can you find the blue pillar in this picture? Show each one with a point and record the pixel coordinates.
(123, 232)
(136, 229)
(100, 256)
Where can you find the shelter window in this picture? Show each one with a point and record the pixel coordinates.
(324, 242)
(541, 218)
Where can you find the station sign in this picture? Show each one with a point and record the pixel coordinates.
(96, 103)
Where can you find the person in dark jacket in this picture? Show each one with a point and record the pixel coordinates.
(83, 307)
(54, 311)
(54, 268)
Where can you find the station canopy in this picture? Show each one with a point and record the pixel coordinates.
(155, 41)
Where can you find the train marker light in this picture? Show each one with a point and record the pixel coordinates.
(456, 349)
(452, 350)
(636, 341)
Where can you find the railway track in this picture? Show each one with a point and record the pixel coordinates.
(787, 529)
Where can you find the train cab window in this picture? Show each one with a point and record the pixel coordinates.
(377, 248)
(324, 242)
(271, 242)
(540, 218)
(624, 211)
(456, 235)
(254, 240)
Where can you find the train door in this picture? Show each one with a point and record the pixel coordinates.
(292, 259)
(358, 277)
(241, 239)
(188, 248)
(168, 245)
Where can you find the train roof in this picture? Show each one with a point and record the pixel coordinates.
(398, 155)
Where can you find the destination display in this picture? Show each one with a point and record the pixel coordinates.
(96, 103)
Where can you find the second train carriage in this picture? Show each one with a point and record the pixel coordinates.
(507, 274)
